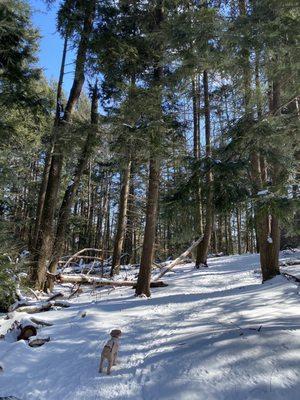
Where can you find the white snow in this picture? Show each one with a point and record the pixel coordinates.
(212, 334)
(263, 193)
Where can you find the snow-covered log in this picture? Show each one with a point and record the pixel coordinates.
(97, 281)
(55, 296)
(46, 306)
(26, 332)
(18, 304)
(179, 259)
(40, 322)
(290, 276)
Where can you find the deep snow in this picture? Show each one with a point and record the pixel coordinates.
(212, 334)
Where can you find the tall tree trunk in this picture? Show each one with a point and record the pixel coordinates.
(202, 250)
(90, 230)
(45, 238)
(267, 223)
(104, 215)
(196, 148)
(68, 200)
(267, 226)
(220, 234)
(229, 227)
(101, 199)
(128, 243)
(48, 158)
(144, 277)
(238, 224)
(143, 283)
(196, 115)
(106, 235)
(121, 224)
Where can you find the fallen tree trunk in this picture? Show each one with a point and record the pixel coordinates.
(36, 308)
(77, 291)
(81, 257)
(179, 259)
(289, 262)
(17, 304)
(55, 296)
(97, 281)
(40, 322)
(155, 265)
(290, 276)
(78, 253)
(26, 332)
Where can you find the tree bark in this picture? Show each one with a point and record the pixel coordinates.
(143, 283)
(239, 236)
(202, 250)
(121, 224)
(128, 243)
(196, 115)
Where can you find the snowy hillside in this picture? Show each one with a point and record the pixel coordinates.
(212, 334)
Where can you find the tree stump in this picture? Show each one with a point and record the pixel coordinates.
(26, 332)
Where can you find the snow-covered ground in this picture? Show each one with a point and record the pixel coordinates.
(212, 334)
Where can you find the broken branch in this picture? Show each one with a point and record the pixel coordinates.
(179, 259)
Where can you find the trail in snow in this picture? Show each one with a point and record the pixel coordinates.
(199, 338)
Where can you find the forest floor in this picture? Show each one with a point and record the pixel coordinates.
(212, 334)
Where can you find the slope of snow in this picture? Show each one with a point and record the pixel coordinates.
(212, 334)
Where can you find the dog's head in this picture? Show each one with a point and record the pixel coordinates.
(115, 333)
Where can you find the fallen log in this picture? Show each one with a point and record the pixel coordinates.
(179, 259)
(40, 322)
(155, 265)
(77, 291)
(290, 276)
(131, 284)
(26, 332)
(36, 308)
(98, 281)
(55, 296)
(17, 304)
(37, 342)
(289, 262)
(86, 257)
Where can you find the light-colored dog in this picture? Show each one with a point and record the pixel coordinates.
(110, 350)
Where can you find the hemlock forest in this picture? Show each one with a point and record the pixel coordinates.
(151, 191)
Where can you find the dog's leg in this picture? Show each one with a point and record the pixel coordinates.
(115, 358)
(101, 364)
(110, 362)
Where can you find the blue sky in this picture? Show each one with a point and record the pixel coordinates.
(51, 44)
